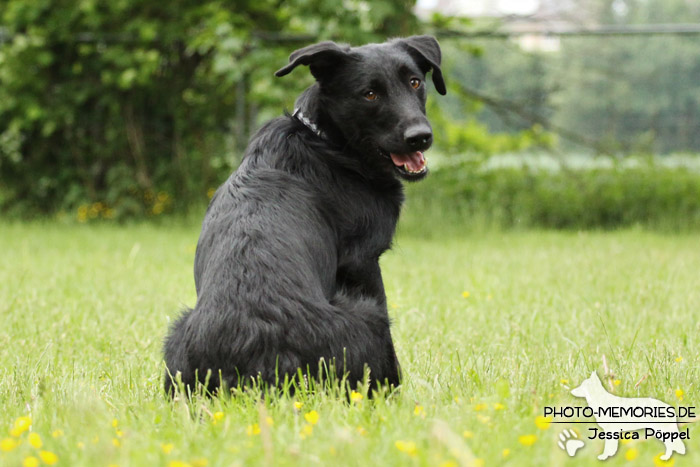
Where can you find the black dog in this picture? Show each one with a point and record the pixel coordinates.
(287, 265)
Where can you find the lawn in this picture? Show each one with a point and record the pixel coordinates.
(489, 327)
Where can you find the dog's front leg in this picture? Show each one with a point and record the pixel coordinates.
(609, 450)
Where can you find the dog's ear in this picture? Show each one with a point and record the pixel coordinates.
(426, 50)
(320, 58)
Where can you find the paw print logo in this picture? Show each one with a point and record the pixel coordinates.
(569, 442)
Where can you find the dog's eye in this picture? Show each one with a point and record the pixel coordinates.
(415, 82)
(371, 96)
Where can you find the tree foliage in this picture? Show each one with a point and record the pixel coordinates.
(128, 107)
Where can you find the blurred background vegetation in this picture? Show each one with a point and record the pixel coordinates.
(568, 115)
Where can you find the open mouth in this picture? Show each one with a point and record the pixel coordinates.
(411, 165)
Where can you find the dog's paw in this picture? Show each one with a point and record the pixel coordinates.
(569, 443)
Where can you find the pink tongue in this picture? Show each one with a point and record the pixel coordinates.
(414, 161)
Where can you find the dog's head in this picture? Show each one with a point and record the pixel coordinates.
(374, 98)
(585, 388)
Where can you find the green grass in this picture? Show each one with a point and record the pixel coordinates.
(84, 310)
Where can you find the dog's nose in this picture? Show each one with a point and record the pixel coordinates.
(418, 137)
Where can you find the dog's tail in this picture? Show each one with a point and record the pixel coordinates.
(175, 355)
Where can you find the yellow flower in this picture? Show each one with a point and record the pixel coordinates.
(467, 434)
(631, 454)
(269, 421)
(564, 381)
(253, 429)
(409, 447)
(298, 405)
(34, 440)
(542, 422)
(419, 411)
(356, 396)
(483, 419)
(116, 442)
(527, 440)
(478, 462)
(306, 431)
(479, 407)
(659, 462)
(361, 431)
(449, 464)
(48, 457)
(498, 406)
(505, 453)
(22, 424)
(465, 294)
(679, 394)
(57, 433)
(201, 462)
(7, 445)
(30, 461)
(179, 464)
(80, 445)
(679, 359)
(115, 422)
(311, 417)
(167, 447)
(218, 416)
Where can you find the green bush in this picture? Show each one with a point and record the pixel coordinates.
(467, 196)
(133, 108)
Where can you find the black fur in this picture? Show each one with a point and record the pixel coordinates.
(287, 264)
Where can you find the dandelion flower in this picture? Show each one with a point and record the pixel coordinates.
(22, 424)
(679, 359)
(298, 405)
(201, 462)
(306, 431)
(167, 447)
(361, 431)
(498, 406)
(479, 407)
(253, 429)
(505, 453)
(48, 457)
(419, 411)
(218, 416)
(527, 440)
(564, 381)
(409, 447)
(34, 440)
(617, 382)
(631, 454)
(57, 433)
(115, 422)
(311, 417)
(449, 463)
(465, 294)
(679, 394)
(30, 461)
(7, 445)
(658, 462)
(542, 422)
(179, 464)
(467, 434)
(116, 442)
(269, 421)
(356, 396)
